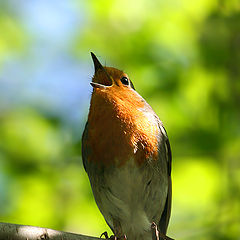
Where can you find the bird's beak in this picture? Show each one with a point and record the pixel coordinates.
(97, 64)
(102, 79)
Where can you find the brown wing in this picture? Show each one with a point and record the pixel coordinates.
(163, 223)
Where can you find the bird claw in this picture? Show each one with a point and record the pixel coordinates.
(104, 234)
(157, 235)
(112, 237)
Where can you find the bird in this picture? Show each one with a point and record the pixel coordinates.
(127, 156)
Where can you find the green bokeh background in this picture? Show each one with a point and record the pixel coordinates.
(184, 59)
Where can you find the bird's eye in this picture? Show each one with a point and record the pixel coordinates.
(125, 81)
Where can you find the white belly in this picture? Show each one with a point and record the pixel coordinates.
(134, 197)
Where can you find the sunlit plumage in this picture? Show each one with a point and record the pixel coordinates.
(127, 156)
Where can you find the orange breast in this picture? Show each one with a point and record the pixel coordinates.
(119, 130)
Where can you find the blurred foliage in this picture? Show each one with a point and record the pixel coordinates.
(183, 57)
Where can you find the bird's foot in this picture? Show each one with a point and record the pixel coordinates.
(157, 235)
(104, 234)
(113, 237)
(155, 232)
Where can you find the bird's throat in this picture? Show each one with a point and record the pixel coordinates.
(118, 132)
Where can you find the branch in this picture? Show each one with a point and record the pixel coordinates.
(23, 232)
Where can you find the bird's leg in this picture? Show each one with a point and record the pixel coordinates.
(118, 230)
(157, 235)
(113, 237)
(155, 232)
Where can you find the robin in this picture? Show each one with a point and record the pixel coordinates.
(127, 156)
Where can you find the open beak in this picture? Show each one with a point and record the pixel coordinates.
(101, 77)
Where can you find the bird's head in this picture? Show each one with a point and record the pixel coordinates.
(109, 78)
(114, 86)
